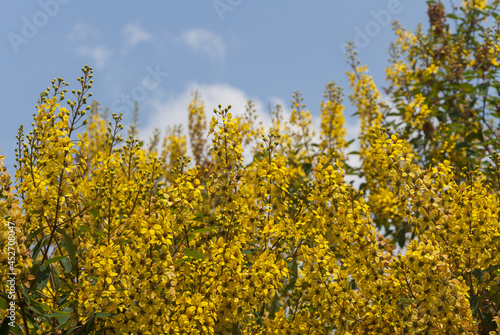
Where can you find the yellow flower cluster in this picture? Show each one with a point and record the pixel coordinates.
(174, 148)
(115, 238)
(243, 254)
(475, 4)
(249, 125)
(417, 112)
(332, 123)
(197, 129)
(366, 98)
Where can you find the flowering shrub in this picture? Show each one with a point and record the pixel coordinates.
(115, 237)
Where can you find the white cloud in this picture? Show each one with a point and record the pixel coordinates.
(135, 34)
(173, 110)
(99, 54)
(82, 32)
(85, 39)
(206, 42)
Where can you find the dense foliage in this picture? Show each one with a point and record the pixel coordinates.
(114, 236)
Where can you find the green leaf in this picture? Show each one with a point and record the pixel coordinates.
(205, 230)
(33, 234)
(236, 329)
(88, 204)
(54, 259)
(67, 303)
(42, 277)
(84, 228)
(491, 268)
(3, 303)
(199, 217)
(103, 315)
(180, 261)
(306, 167)
(473, 136)
(352, 284)
(40, 306)
(63, 319)
(248, 251)
(70, 248)
(274, 306)
(4, 328)
(474, 304)
(95, 213)
(98, 232)
(25, 294)
(58, 314)
(193, 253)
(461, 145)
(70, 330)
(473, 102)
(37, 310)
(466, 87)
(297, 148)
(483, 89)
(55, 282)
(66, 264)
(478, 274)
(88, 327)
(37, 248)
(402, 238)
(405, 301)
(16, 330)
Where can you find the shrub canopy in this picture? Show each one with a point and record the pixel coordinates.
(115, 236)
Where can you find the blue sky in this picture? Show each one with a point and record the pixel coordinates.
(231, 50)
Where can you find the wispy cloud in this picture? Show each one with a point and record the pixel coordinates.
(174, 110)
(86, 39)
(83, 32)
(135, 34)
(205, 42)
(99, 54)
